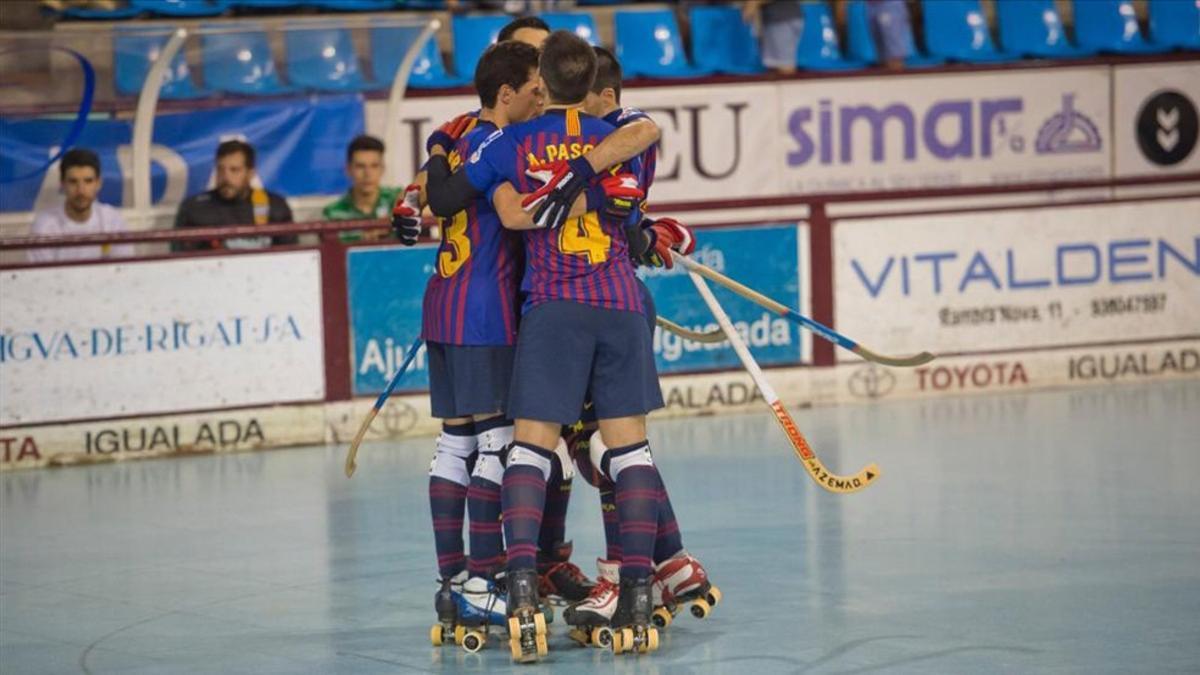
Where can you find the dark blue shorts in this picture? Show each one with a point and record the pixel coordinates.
(564, 346)
(466, 380)
(588, 414)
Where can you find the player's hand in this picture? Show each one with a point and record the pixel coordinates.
(622, 194)
(448, 134)
(666, 235)
(406, 215)
(562, 184)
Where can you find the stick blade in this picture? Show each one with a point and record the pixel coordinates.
(896, 361)
(352, 453)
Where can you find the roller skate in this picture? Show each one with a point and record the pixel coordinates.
(526, 622)
(560, 581)
(481, 605)
(631, 627)
(681, 580)
(590, 618)
(445, 603)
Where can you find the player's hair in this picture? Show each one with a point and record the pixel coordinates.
(233, 146)
(608, 72)
(509, 62)
(78, 157)
(517, 24)
(363, 142)
(568, 66)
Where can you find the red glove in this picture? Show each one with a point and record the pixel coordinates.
(448, 134)
(406, 215)
(666, 235)
(622, 194)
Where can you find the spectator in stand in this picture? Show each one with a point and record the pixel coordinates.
(889, 26)
(366, 199)
(235, 201)
(80, 213)
(779, 23)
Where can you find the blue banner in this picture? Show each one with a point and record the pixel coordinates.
(386, 286)
(300, 143)
(765, 258)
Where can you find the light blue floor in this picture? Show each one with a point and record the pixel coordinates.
(1052, 532)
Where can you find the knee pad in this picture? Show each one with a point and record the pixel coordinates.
(562, 457)
(451, 458)
(611, 464)
(520, 455)
(596, 450)
(490, 467)
(495, 440)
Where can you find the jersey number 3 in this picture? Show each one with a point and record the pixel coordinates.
(450, 260)
(584, 237)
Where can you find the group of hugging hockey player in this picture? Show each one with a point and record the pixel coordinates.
(539, 343)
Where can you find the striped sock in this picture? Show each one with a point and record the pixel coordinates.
(637, 496)
(554, 515)
(448, 498)
(669, 541)
(522, 497)
(612, 522)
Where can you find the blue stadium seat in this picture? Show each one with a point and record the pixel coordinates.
(269, 4)
(818, 48)
(323, 58)
(957, 30)
(1175, 23)
(422, 4)
(648, 44)
(89, 13)
(722, 42)
(473, 35)
(389, 44)
(1034, 28)
(240, 62)
(135, 50)
(579, 23)
(860, 41)
(183, 8)
(355, 5)
(1111, 26)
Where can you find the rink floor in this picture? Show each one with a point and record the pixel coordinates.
(1048, 532)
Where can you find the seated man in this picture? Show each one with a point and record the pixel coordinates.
(234, 201)
(80, 212)
(366, 199)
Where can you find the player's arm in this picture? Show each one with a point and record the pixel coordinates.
(624, 144)
(447, 193)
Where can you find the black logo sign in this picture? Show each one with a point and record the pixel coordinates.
(1167, 128)
(871, 382)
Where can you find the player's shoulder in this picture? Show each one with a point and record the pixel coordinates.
(626, 115)
(592, 125)
(495, 137)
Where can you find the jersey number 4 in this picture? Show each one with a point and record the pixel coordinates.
(450, 260)
(584, 237)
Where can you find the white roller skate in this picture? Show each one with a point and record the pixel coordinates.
(680, 580)
(480, 605)
(589, 618)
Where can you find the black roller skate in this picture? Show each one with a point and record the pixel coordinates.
(526, 622)
(631, 627)
(561, 581)
(445, 603)
(590, 619)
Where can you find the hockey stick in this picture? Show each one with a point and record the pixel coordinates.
(827, 480)
(798, 318)
(366, 423)
(688, 334)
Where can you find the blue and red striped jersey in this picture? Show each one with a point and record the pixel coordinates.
(471, 298)
(619, 118)
(586, 260)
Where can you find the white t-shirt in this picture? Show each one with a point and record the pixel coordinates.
(54, 222)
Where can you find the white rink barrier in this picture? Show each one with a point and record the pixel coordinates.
(686, 395)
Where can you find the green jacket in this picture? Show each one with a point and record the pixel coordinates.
(344, 209)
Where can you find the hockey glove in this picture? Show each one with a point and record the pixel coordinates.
(666, 235)
(562, 185)
(406, 215)
(448, 134)
(621, 194)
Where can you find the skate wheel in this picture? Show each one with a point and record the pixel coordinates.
(473, 642)
(539, 623)
(459, 633)
(514, 628)
(602, 636)
(701, 608)
(615, 639)
(652, 639)
(542, 647)
(627, 643)
(714, 596)
(435, 635)
(514, 646)
(662, 617)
